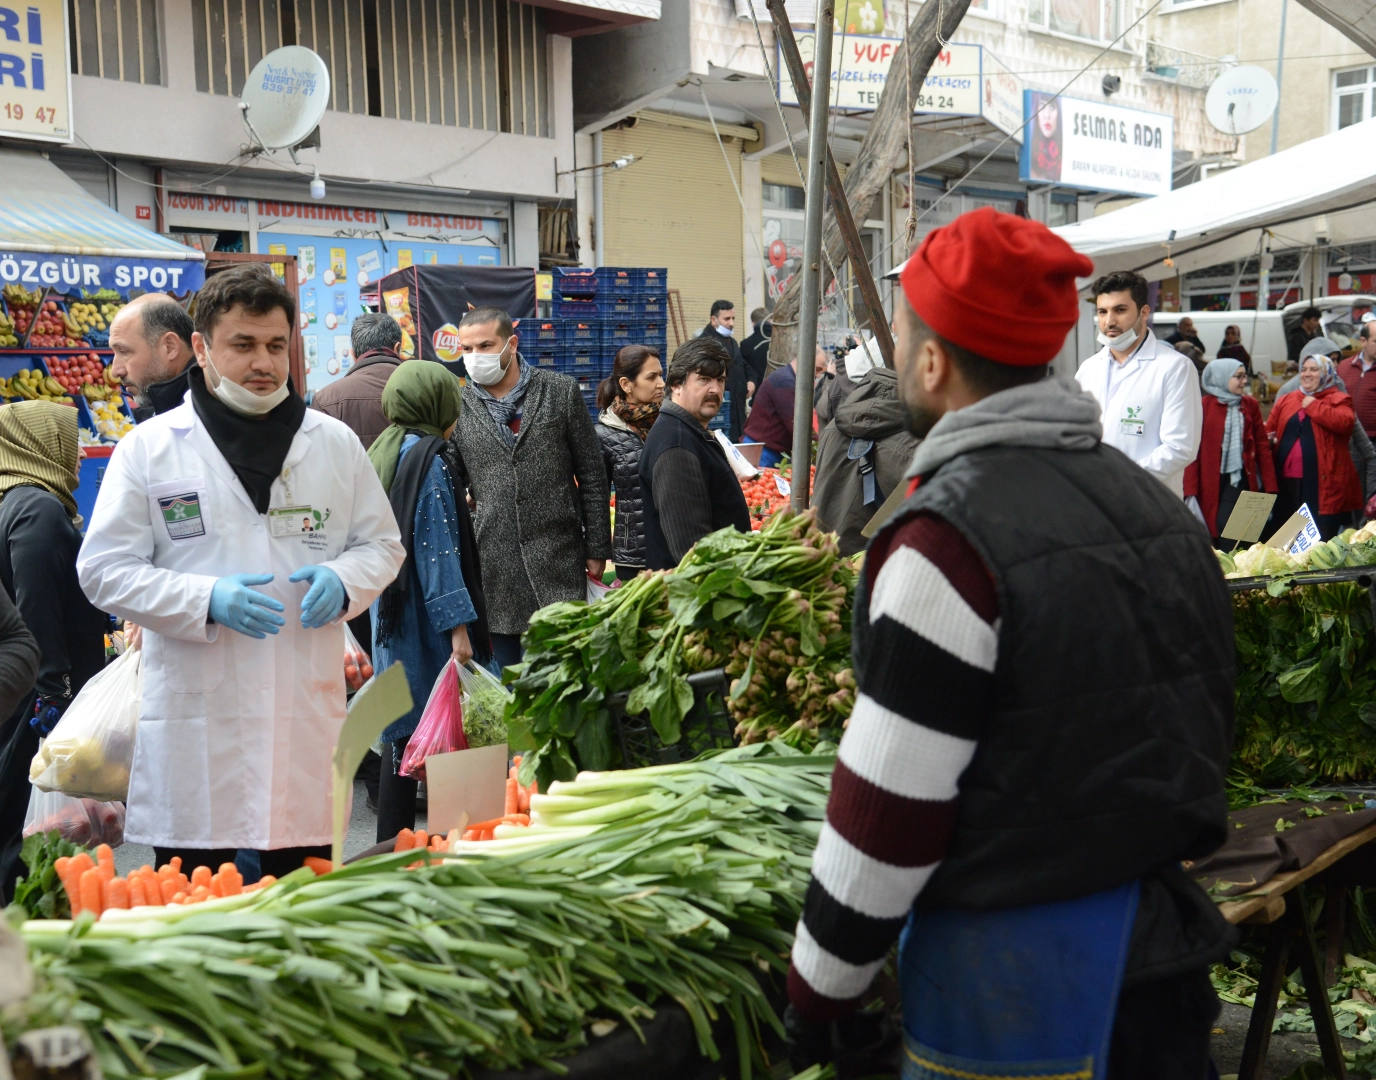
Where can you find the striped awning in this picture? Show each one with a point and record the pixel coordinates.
(45, 211)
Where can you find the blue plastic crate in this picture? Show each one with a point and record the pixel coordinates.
(617, 333)
(722, 420)
(656, 333)
(590, 400)
(575, 282)
(580, 333)
(582, 363)
(632, 281)
(542, 356)
(576, 309)
(651, 307)
(540, 333)
(620, 306)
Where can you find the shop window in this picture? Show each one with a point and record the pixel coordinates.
(115, 39)
(1354, 96)
(1092, 20)
(463, 63)
(784, 197)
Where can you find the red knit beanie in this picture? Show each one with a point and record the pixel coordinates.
(997, 284)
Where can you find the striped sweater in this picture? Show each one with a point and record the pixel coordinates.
(922, 700)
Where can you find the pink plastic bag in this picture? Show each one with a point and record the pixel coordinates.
(440, 730)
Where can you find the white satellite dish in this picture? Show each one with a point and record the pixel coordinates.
(285, 96)
(1241, 100)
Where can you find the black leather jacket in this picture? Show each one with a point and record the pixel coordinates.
(621, 454)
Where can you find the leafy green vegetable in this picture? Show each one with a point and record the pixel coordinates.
(484, 706)
(39, 892)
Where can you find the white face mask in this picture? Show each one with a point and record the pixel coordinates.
(485, 369)
(724, 331)
(241, 399)
(1123, 342)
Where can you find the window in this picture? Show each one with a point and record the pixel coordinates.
(1354, 96)
(783, 197)
(1093, 20)
(115, 39)
(465, 63)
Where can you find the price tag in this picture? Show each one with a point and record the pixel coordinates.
(1248, 517)
(1298, 534)
(785, 488)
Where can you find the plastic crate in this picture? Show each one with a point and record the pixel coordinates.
(545, 357)
(575, 282)
(652, 307)
(580, 333)
(722, 420)
(590, 400)
(586, 310)
(581, 363)
(617, 333)
(540, 333)
(620, 307)
(632, 281)
(708, 725)
(655, 332)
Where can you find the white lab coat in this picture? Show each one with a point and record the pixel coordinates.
(235, 734)
(1150, 407)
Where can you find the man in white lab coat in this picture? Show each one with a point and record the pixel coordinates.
(200, 536)
(1148, 393)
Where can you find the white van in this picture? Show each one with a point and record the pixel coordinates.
(1264, 332)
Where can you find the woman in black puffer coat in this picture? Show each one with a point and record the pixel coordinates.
(629, 400)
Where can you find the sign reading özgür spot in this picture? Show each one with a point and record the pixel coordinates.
(70, 274)
(35, 92)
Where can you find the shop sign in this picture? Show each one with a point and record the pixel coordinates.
(220, 212)
(964, 80)
(273, 214)
(35, 89)
(1091, 144)
(67, 274)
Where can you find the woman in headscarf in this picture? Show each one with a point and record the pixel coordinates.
(39, 541)
(1310, 431)
(1234, 453)
(1232, 348)
(434, 610)
(629, 399)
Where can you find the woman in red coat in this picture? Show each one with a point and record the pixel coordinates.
(1310, 430)
(1234, 450)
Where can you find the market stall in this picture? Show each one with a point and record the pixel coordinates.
(67, 264)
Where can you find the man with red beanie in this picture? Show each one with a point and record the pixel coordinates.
(1044, 653)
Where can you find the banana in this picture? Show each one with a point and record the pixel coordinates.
(52, 386)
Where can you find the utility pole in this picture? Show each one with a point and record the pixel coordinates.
(811, 298)
(1280, 71)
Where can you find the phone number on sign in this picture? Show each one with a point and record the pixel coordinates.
(15, 111)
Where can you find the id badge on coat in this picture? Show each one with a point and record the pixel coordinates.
(183, 507)
(306, 523)
(1132, 422)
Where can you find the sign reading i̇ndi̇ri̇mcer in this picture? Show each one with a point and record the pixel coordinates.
(35, 88)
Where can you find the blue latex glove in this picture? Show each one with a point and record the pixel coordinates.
(235, 605)
(324, 600)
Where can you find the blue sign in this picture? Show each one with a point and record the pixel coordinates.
(72, 275)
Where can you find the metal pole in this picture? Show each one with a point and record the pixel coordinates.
(812, 256)
(1280, 71)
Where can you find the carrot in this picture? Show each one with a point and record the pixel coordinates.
(513, 800)
(469, 834)
(421, 839)
(178, 897)
(152, 886)
(137, 896)
(71, 883)
(516, 819)
(261, 883)
(105, 859)
(176, 864)
(90, 891)
(216, 886)
(115, 894)
(319, 865)
(168, 889)
(231, 881)
(200, 877)
(523, 800)
(486, 834)
(479, 826)
(404, 839)
(199, 895)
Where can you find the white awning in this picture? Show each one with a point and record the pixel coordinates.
(1323, 188)
(47, 212)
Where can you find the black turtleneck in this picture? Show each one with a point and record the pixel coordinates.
(164, 396)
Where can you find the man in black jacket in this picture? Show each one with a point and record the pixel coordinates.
(151, 340)
(721, 327)
(687, 485)
(755, 348)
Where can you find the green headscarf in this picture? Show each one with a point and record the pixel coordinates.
(421, 395)
(38, 448)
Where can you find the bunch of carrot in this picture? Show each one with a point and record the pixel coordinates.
(92, 885)
(515, 812)
(420, 840)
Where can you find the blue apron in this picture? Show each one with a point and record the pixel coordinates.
(1027, 993)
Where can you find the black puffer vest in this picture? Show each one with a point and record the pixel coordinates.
(621, 452)
(1104, 755)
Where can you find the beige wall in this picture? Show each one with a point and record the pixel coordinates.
(1250, 30)
(675, 207)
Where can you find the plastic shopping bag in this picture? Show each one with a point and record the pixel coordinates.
(484, 706)
(90, 751)
(358, 669)
(596, 590)
(440, 730)
(82, 821)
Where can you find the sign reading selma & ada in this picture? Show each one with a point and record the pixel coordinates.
(1095, 145)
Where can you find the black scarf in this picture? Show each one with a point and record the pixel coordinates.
(412, 470)
(254, 447)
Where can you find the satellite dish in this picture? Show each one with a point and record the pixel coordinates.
(1241, 100)
(285, 96)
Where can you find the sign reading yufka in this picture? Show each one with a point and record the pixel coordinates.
(1091, 144)
(965, 80)
(35, 91)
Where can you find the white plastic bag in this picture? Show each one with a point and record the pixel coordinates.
(596, 590)
(81, 821)
(90, 751)
(484, 706)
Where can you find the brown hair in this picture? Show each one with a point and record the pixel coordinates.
(251, 285)
(629, 360)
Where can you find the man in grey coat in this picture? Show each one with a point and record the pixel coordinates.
(536, 478)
